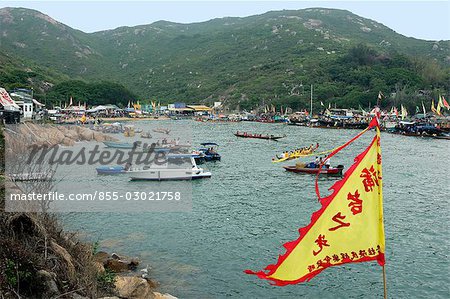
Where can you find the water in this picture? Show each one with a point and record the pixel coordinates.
(250, 207)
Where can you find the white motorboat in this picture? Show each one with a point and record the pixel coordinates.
(178, 167)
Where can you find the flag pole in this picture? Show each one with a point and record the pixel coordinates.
(384, 282)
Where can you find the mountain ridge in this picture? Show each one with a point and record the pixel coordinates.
(243, 59)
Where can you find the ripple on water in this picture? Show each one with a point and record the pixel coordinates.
(250, 207)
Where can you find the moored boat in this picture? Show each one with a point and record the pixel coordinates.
(113, 144)
(185, 169)
(109, 170)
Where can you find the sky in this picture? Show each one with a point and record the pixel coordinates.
(428, 20)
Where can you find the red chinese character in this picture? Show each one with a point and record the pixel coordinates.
(327, 259)
(336, 258)
(311, 268)
(378, 159)
(319, 264)
(371, 251)
(370, 178)
(356, 203)
(362, 253)
(338, 218)
(344, 256)
(320, 242)
(354, 255)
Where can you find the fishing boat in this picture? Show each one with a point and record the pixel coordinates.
(110, 170)
(257, 136)
(209, 151)
(123, 145)
(179, 167)
(328, 171)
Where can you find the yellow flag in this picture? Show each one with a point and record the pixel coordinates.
(347, 229)
(439, 106)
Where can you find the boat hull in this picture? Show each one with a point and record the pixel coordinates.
(259, 137)
(110, 170)
(326, 171)
(118, 145)
(168, 175)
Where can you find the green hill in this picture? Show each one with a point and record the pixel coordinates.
(268, 58)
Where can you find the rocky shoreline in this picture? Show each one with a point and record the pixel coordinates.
(51, 262)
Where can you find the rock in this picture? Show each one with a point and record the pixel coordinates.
(115, 256)
(47, 280)
(62, 252)
(133, 288)
(117, 265)
(99, 137)
(99, 267)
(77, 296)
(68, 141)
(134, 262)
(86, 134)
(101, 257)
(163, 296)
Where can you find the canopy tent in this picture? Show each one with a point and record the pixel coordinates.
(200, 107)
(7, 102)
(37, 103)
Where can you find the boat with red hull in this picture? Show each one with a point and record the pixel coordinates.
(329, 171)
(258, 136)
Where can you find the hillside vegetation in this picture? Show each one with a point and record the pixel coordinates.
(246, 62)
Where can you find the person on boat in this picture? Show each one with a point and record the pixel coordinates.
(135, 144)
(316, 162)
(127, 166)
(320, 162)
(327, 163)
(317, 145)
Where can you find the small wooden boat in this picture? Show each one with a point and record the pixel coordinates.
(328, 171)
(258, 136)
(123, 145)
(109, 170)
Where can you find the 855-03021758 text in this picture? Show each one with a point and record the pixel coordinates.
(99, 196)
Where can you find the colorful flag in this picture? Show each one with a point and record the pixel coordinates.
(380, 95)
(395, 111)
(432, 107)
(424, 112)
(321, 103)
(439, 105)
(445, 104)
(347, 229)
(70, 102)
(404, 112)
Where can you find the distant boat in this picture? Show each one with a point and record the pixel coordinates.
(258, 136)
